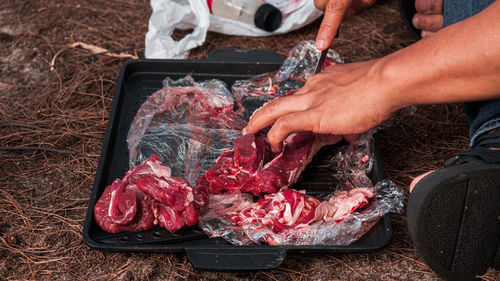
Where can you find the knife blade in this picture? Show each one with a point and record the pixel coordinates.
(321, 61)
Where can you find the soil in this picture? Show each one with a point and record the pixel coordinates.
(55, 98)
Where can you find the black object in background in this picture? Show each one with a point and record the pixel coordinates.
(407, 11)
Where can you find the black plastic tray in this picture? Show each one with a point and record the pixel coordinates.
(140, 78)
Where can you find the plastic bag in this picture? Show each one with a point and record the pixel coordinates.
(167, 15)
(354, 163)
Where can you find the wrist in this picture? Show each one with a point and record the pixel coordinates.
(389, 78)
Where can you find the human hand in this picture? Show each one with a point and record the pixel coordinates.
(335, 10)
(429, 16)
(344, 100)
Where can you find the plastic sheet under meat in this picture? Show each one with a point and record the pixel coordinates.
(353, 162)
(187, 124)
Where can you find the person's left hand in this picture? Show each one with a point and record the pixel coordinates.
(343, 100)
(335, 10)
(429, 16)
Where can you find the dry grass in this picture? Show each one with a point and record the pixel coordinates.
(54, 104)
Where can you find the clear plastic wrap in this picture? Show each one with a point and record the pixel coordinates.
(187, 124)
(292, 75)
(353, 162)
(388, 198)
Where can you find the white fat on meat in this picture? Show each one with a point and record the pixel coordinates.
(343, 203)
(190, 196)
(112, 202)
(287, 215)
(160, 170)
(298, 210)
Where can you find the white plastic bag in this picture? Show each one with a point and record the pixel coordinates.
(168, 15)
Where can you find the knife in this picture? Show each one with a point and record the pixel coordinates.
(322, 57)
(321, 61)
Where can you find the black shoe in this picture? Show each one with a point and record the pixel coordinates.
(454, 213)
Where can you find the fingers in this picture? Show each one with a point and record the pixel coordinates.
(285, 125)
(320, 4)
(431, 23)
(429, 7)
(273, 110)
(429, 16)
(351, 137)
(334, 14)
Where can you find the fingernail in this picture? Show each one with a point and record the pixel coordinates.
(415, 21)
(321, 44)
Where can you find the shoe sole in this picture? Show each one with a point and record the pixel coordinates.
(453, 218)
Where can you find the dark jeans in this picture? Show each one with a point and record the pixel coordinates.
(483, 115)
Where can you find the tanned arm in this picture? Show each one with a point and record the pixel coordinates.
(459, 63)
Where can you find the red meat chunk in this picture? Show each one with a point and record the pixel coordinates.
(249, 152)
(148, 195)
(252, 167)
(283, 212)
(279, 211)
(124, 207)
(343, 203)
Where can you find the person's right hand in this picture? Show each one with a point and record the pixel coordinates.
(429, 16)
(335, 10)
(344, 100)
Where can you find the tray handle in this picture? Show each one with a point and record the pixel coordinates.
(236, 258)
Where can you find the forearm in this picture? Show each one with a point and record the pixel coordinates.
(460, 63)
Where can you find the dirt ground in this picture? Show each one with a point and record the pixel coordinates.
(55, 98)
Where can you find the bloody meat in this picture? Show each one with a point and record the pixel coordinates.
(279, 211)
(252, 167)
(148, 195)
(343, 203)
(292, 209)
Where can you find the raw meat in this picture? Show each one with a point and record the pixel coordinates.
(279, 211)
(292, 218)
(295, 209)
(252, 167)
(274, 218)
(124, 207)
(343, 203)
(148, 195)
